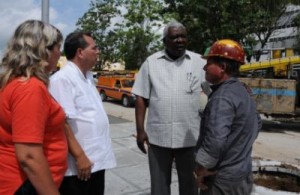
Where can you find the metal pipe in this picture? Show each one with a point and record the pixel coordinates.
(45, 11)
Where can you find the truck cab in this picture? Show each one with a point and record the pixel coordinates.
(117, 87)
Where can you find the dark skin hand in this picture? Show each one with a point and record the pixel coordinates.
(140, 112)
(141, 140)
(200, 173)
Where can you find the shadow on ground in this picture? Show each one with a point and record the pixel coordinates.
(116, 120)
(274, 126)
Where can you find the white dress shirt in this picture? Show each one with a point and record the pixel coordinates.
(85, 114)
(173, 88)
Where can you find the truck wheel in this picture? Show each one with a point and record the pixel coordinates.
(125, 101)
(103, 96)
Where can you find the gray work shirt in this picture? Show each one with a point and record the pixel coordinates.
(230, 125)
(173, 88)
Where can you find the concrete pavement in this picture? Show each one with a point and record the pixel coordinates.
(131, 176)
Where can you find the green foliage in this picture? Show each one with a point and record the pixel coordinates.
(127, 30)
(132, 38)
(139, 38)
(97, 20)
(240, 20)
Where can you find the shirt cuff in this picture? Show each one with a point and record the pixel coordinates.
(204, 159)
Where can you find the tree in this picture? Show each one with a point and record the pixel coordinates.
(126, 30)
(133, 37)
(247, 21)
(266, 17)
(141, 19)
(98, 21)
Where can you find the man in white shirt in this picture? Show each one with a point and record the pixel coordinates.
(88, 130)
(169, 85)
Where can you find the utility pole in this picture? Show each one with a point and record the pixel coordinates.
(45, 11)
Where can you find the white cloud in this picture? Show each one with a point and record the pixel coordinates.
(62, 13)
(12, 13)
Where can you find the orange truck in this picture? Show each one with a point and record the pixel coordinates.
(117, 87)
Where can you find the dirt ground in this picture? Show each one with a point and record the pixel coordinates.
(280, 142)
(277, 182)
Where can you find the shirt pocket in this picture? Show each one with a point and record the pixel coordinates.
(81, 101)
(193, 85)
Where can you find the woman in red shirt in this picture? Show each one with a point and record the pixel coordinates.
(33, 146)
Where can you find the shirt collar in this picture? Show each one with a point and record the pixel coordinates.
(89, 75)
(230, 80)
(163, 54)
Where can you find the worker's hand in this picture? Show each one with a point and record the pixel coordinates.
(141, 140)
(84, 167)
(200, 173)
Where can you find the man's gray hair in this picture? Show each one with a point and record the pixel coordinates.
(172, 24)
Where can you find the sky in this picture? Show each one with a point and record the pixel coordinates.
(63, 14)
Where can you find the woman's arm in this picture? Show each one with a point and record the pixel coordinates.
(35, 165)
(83, 164)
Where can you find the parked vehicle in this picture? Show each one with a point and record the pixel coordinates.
(275, 85)
(117, 87)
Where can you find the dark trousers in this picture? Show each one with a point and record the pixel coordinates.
(160, 163)
(71, 185)
(26, 189)
(242, 187)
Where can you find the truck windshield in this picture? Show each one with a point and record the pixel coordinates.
(127, 83)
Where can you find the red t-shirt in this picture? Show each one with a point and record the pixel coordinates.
(28, 114)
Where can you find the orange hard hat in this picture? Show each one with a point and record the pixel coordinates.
(227, 48)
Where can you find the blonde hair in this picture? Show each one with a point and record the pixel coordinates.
(28, 51)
